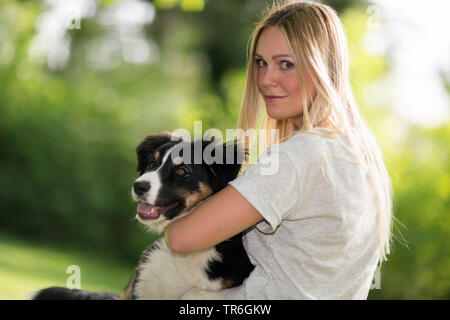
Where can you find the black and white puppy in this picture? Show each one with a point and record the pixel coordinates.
(174, 178)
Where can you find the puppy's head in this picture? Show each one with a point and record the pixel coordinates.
(175, 175)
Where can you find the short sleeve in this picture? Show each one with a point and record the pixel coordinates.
(271, 187)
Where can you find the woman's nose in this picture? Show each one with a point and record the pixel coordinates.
(269, 78)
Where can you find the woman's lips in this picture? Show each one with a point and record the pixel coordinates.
(271, 99)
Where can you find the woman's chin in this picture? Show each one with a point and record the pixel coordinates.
(276, 115)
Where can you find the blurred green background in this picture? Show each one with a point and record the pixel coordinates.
(77, 95)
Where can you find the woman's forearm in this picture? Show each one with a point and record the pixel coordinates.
(222, 216)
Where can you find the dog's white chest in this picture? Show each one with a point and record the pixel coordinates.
(168, 275)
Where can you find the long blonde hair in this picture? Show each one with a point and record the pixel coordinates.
(319, 47)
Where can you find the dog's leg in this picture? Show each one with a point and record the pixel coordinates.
(127, 293)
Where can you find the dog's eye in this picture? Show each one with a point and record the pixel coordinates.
(181, 171)
(151, 164)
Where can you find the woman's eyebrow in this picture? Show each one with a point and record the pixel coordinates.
(275, 56)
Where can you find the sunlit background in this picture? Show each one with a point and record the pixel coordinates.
(83, 81)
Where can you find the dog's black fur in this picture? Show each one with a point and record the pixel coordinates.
(182, 186)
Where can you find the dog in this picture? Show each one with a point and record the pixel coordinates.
(171, 183)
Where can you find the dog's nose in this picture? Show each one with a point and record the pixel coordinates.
(141, 187)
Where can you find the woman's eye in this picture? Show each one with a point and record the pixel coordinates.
(286, 65)
(260, 63)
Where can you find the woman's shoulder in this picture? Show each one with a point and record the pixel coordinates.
(317, 143)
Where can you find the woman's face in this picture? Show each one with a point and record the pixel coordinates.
(277, 77)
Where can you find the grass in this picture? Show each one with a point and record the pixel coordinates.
(27, 266)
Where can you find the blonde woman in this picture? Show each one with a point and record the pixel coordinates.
(323, 219)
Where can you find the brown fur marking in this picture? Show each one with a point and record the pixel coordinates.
(194, 198)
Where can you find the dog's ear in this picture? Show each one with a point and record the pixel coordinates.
(148, 146)
(233, 155)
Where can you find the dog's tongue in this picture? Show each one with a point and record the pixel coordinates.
(147, 211)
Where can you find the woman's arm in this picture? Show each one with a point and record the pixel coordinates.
(222, 216)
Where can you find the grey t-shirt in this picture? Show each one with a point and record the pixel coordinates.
(318, 239)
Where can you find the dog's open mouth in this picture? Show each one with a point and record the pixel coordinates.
(150, 212)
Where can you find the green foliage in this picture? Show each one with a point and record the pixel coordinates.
(68, 136)
(419, 265)
(186, 5)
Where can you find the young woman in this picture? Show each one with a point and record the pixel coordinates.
(323, 219)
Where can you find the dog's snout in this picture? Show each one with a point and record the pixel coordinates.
(141, 187)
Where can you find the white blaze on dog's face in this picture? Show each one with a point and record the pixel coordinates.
(147, 189)
(150, 182)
